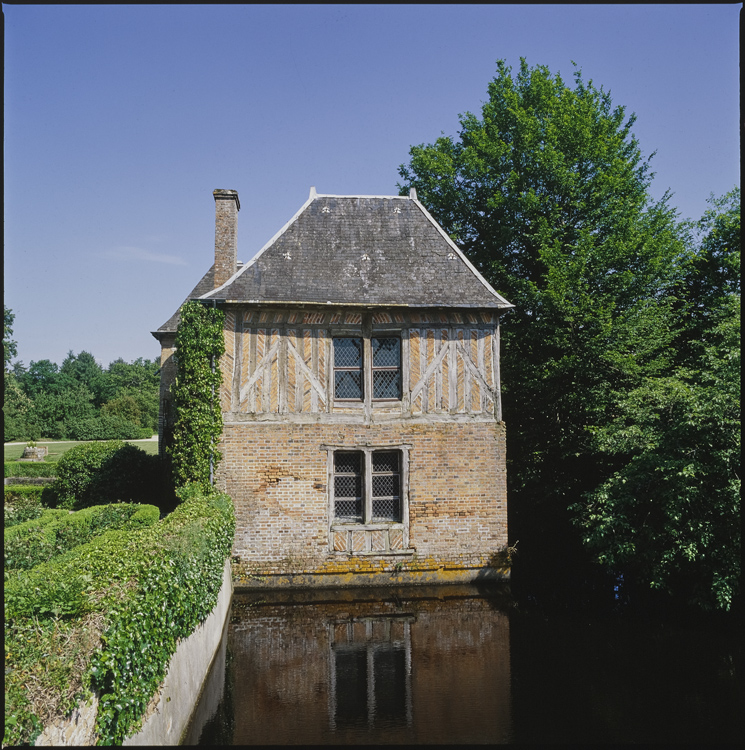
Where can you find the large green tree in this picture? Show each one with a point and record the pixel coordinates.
(548, 194)
(669, 515)
(81, 400)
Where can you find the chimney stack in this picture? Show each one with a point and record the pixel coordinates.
(227, 206)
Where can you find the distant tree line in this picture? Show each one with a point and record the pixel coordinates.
(78, 400)
(621, 358)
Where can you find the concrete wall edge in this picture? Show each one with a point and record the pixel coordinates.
(187, 671)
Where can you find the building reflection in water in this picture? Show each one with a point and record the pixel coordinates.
(443, 666)
(370, 672)
(424, 666)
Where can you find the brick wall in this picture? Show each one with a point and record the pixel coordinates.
(226, 234)
(277, 475)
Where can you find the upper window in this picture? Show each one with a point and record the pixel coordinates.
(386, 367)
(350, 363)
(348, 368)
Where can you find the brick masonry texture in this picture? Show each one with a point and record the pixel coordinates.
(226, 239)
(277, 475)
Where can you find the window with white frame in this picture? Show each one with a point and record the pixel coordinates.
(367, 486)
(383, 361)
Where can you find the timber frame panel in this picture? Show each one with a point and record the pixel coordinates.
(281, 364)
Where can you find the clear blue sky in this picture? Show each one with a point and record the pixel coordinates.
(121, 120)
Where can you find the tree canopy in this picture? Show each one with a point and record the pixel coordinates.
(80, 400)
(548, 194)
(9, 346)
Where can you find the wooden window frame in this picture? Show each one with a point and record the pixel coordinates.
(368, 368)
(369, 530)
(367, 473)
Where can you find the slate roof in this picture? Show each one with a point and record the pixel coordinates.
(356, 250)
(361, 250)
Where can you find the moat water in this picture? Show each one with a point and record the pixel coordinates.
(462, 665)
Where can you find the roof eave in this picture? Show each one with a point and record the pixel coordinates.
(316, 303)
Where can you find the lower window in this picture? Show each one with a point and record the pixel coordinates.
(367, 486)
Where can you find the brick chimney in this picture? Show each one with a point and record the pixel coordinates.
(227, 206)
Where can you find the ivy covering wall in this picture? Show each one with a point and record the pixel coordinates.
(105, 616)
(195, 395)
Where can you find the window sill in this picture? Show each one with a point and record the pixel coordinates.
(380, 553)
(377, 526)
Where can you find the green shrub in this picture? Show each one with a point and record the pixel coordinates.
(23, 502)
(30, 469)
(28, 542)
(152, 585)
(33, 542)
(107, 427)
(13, 492)
(98, 473)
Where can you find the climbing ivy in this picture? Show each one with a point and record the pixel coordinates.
(195, 395)
(106, 616)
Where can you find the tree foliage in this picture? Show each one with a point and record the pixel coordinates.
(10, 347)
(670, 514)
(80, 400)
(548, 194)
(195, 395)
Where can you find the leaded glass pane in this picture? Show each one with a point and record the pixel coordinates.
(349, 510)
(347, 485)
(385, 461)
(385, 485)
(347, 463)
(386, 509)
(386, 352)
(348, 352)
(347, 384)
(386, 384)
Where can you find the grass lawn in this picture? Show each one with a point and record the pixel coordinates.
(58, 447)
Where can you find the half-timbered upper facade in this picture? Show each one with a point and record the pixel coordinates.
(363, 436)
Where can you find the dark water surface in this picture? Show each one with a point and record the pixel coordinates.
(461, 665)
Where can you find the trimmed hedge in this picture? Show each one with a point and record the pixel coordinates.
(107, 427)
(57, 531)
(13, 492)
(45, 516)
(30, 469)
(113, 471)
(24, 502)
(153, 586)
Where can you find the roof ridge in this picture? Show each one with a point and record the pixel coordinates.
(334, 195)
